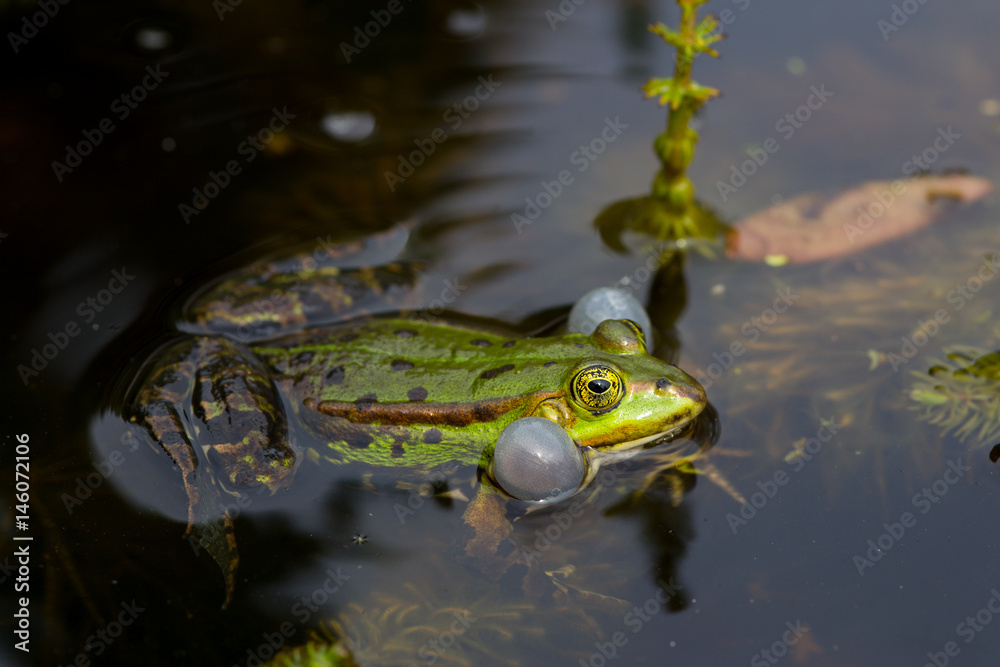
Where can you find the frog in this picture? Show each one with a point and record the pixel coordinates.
(401, 394)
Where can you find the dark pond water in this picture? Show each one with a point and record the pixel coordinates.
(866, 539)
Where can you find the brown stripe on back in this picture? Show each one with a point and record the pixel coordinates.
(404, 414)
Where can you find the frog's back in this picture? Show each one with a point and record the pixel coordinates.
(399, 361)
(413, 393)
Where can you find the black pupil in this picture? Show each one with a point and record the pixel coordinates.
(598, 386)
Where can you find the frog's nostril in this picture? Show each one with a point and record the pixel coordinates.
(662, 383)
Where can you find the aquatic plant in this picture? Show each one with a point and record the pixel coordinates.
(961, 394)
(671, 212)
(314, 654)
(415, 623)
(675, 146)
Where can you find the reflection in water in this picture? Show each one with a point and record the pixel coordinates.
(470, 621)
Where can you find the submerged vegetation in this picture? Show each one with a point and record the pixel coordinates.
(961, 394)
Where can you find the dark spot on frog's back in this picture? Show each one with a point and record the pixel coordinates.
(357, 438)
(479, 342)
(304, 358)
(510, 343)
(417, 394)
(432, 436)
(548, 363)
(401, 365)
(493, 372)
(335, 375)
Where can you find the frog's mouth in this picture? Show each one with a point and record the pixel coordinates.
(599, 456)
(624, 450)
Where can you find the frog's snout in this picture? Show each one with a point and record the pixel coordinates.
(689, 391)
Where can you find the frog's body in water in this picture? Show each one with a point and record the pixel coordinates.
(395, 393)
(415, 394)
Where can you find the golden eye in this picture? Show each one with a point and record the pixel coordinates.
(598, 388)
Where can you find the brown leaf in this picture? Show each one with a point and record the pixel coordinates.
(811, 227)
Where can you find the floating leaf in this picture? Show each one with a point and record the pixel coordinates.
(811, 227)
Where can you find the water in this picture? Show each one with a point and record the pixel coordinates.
(125, 229)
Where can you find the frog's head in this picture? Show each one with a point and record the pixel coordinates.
(615, 397)
(619, 397)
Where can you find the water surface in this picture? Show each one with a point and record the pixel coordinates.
(796, 576)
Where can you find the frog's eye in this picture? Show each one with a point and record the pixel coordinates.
(598, 388)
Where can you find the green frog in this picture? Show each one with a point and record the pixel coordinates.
(233, 408)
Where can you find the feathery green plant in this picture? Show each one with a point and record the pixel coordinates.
(961, 394)
(671, 212)
(675, 146)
